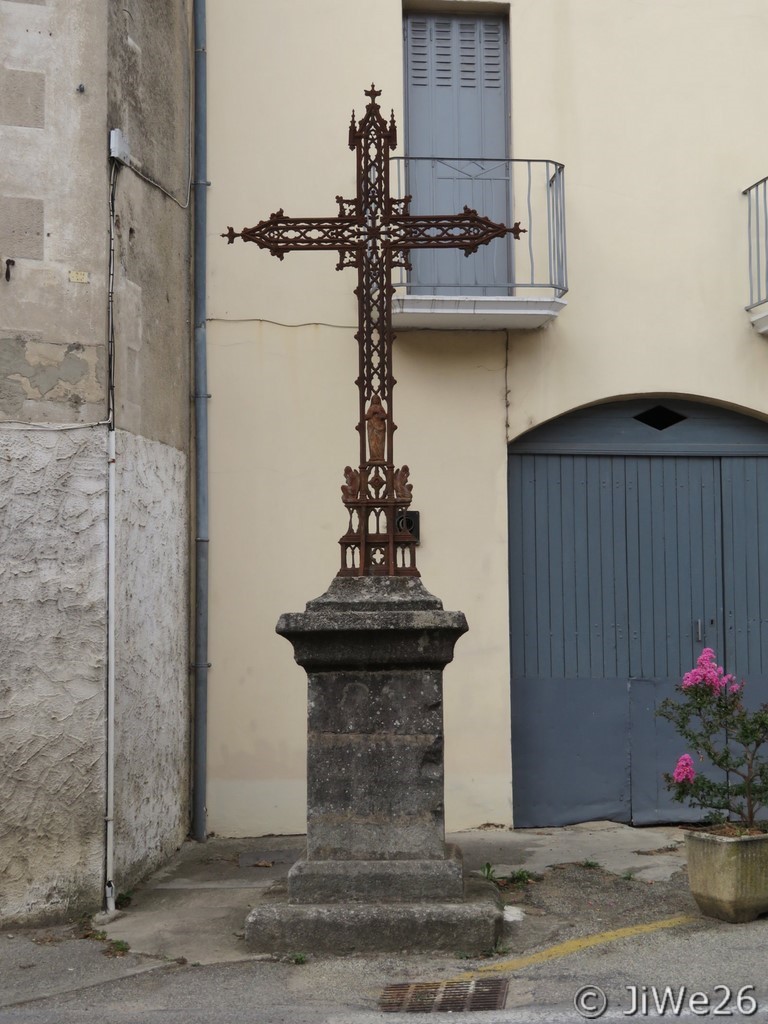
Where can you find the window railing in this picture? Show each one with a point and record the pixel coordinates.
(757, 237)
(529, 191)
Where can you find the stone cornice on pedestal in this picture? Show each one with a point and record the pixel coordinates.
(363, 620)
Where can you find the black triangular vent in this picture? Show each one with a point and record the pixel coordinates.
(659, 417)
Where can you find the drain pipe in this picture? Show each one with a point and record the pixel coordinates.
(109, 866)
(201, 396)
(109, 838)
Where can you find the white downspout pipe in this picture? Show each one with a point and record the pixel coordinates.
(109, 816)
(109, 887)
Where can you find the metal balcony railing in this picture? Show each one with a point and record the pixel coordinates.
(531, 191)
(757, 236)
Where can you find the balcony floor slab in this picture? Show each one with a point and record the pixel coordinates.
(759, 321)
(470, 313)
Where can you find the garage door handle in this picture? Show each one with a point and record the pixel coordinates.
(699, 633)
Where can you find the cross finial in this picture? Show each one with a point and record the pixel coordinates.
(373, 92)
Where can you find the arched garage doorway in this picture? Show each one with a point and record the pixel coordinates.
(638, 536)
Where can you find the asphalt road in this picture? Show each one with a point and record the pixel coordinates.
(632, 973)
(625, 942)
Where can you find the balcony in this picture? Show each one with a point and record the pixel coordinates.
(507, 284)
(757, 234)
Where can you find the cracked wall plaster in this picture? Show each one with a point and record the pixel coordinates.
(35, 370)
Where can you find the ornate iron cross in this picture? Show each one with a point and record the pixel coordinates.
(374, 233)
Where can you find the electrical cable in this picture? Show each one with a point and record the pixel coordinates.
(190, 151)
(277, 323)
(21, 425)
(157, 185)
(111, 298)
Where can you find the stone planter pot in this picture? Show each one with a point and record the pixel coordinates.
(728, 877)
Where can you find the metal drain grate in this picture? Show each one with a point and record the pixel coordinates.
(445, 996)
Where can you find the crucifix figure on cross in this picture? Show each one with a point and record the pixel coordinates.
(374, 233)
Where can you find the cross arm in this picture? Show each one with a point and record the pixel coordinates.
(280, 234)
(466, 231)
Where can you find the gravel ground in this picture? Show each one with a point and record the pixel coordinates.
(571, 900)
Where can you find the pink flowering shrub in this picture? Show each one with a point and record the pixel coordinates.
(712, 719)
(684, 771)
(707, 673)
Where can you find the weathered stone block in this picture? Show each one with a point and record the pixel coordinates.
(358, 783)
(378, 881)
(388, 701)
(474, 925)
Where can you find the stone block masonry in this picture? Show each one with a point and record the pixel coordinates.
(22, 98)
(22, 231)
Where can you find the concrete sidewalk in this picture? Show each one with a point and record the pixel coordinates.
(600, 905)
(192, 912)
(195, 908)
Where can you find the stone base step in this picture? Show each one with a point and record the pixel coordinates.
(472, 926)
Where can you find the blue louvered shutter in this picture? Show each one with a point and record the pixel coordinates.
(456, 116)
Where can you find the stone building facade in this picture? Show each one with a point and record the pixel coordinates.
(94, 340)
(612, 340)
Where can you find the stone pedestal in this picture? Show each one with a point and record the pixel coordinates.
(378, 874)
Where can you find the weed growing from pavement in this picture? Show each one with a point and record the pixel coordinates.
(487, 872)
(86, 930)
(521, 877)
(514, 880)
(116, 947)
(670, 848)
(289, 958)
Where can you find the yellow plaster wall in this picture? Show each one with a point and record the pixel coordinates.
(655, 108)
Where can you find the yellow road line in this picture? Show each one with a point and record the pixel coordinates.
(576, 946)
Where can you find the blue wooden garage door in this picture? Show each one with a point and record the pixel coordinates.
(638, 536)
